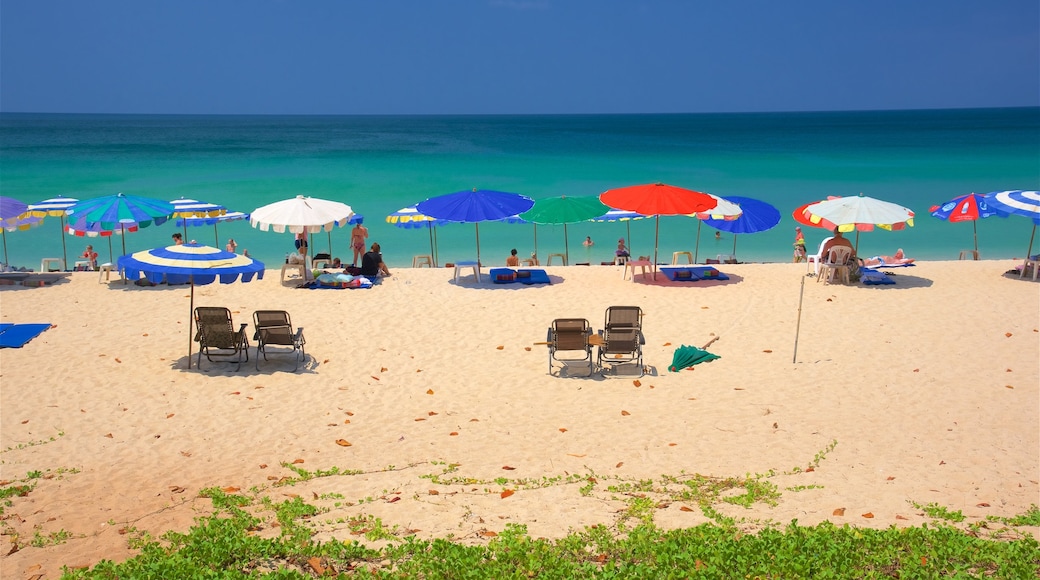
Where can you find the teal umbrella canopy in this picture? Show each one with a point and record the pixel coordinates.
(114, 211)
(565, 210)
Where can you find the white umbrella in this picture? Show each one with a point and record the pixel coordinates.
(300, 215)
(859, 214)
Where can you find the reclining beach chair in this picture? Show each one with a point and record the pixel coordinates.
(273, 328)
(218, 338)
(622, 338)
(569, 335)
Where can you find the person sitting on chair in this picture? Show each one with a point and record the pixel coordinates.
(372, 262)
(836, 241)
(512, 261)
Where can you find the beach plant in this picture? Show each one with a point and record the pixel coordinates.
(34, 443)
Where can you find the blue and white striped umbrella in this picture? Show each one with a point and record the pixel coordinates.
(211, 221)
(54, 207)
(191, 208)
(1018, 202)
(192, 264)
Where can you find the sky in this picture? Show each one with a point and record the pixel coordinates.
(515, 56)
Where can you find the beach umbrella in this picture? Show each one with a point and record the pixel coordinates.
(1018, 202)
(564, 210)
(621, 215)
(858, 213)
(658, 199)
(687, 356)
(55, 207)
(971, 207)
(755, 216)
(192, 208)
(409, 218)
(723, 210)
(96, 230)
(192, 264)
(11, 211)
(230, 216)
(475, 206)
(119, 211)
(300, 215)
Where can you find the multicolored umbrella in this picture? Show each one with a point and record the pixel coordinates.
(192, 264)
(11, 211)
(564, 210)
(1018, 202)
(858, 213)
(971, 207)
(475, 206)
(755, 216)
(724, 210)
(55, 207)
(119, 211)
(658, 199)
(621, 215)
(96, 231)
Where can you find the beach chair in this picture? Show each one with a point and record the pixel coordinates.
(836, 265)
(217, 337)
(569, 335)
(621, 339)
(274, 328)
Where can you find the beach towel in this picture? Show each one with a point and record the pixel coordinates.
(872, 277)
(687, 356)
(17, 335)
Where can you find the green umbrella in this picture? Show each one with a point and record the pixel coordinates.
(687, 356)
(565, 210)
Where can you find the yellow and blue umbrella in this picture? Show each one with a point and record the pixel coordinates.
(14, 218)
(409, 218)
(54, 207)
(191, 264)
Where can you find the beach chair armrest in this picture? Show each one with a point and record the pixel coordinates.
(642, 339)
(298, 337)
(548, 336)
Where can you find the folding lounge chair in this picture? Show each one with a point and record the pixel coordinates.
(218, 338)
(273, 327)
(569, 335)
(622, 338)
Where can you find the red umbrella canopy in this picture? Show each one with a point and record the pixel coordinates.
(658, 199)
(800, 217)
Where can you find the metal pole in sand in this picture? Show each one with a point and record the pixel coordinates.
(798, 325)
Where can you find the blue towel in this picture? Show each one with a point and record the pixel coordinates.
(874, 278)
(16, 335)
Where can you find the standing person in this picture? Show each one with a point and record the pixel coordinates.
(799, 245)
(177, 240)
(231, 245)
(588, 241)
(358, 239)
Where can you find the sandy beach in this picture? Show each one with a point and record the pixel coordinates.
(924, 391)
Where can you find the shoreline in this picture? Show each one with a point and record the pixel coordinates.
(927, 401)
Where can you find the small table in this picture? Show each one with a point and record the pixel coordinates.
(631, 265)
(677, 255)
(467, 264)
(562, 257)
(106, 271)
(422, 260)
(301, 268)
(973, 253)
(45, 264)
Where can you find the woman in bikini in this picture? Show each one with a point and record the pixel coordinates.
(358, 235)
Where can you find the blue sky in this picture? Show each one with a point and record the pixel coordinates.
(515, 56)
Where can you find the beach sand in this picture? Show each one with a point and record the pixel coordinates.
(925, 391)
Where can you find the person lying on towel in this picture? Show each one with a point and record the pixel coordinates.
(897, 259)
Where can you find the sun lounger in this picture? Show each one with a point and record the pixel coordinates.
(217, 336)
(621, 340)
(569, 335)
(273, 327)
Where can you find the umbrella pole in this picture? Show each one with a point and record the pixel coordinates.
(122, 230)
(734, 246)
(536, 239)
(1023, 264)
(975, 234)
(476, 228)
(566, 247)
(697, 245)
(628, 226)
(330, 244)
(436, 248)
(857, 242)
(798, 325)
(4, 233)
(432, 253)
(216, 239)
(64, 252)
(191, 311)
(657, 232)
(109, 249)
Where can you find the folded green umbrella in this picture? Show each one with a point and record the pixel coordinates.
(687, 356)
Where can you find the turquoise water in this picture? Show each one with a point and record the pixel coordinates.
(378, 164)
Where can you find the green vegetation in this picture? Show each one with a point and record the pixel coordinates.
(251, 535)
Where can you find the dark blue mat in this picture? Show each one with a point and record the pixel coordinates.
(692, 273)
(526, 276)
(874, 278)
(16, 335)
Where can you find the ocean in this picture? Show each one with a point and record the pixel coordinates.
(379, 164)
